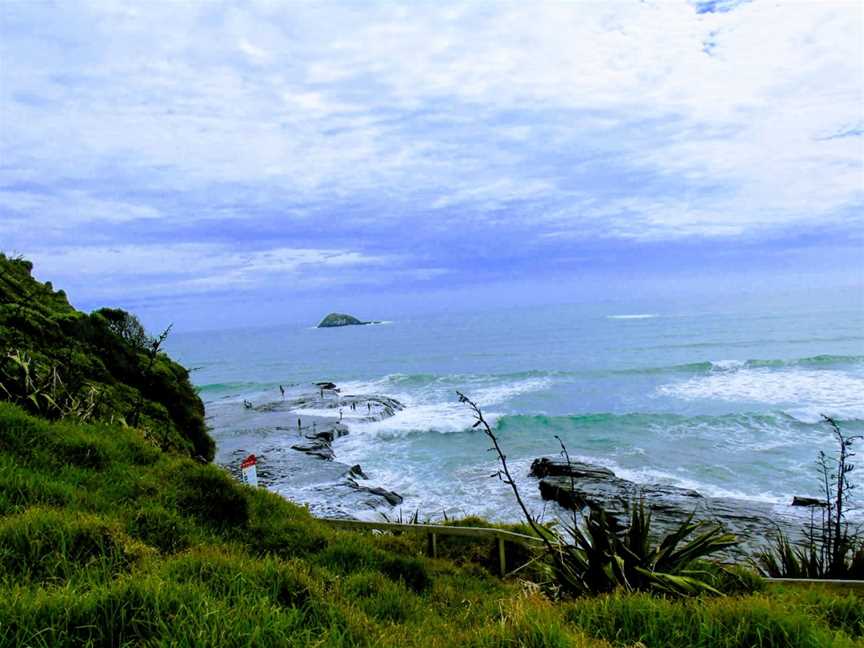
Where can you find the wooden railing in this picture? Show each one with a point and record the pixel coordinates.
(828, 582)
(432, 531)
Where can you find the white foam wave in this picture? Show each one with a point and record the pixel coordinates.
(378, 386)
(656, 476)
(438, 417)
(467, 489)
(814, 413)
(727, 365)
(807, 391)
(437, 409)
(315, 411)
(633, 316)
(496, 394)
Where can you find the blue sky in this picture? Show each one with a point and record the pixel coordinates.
(222, 164)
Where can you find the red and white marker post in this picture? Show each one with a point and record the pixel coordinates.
(248, 470)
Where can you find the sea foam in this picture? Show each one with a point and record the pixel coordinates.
(829, 391)
(436, 408)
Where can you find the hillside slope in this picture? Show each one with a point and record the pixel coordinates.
(111, 534)
(56, 361)
(107, 541)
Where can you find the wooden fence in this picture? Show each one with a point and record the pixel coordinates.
(857, 585)
(433, 531)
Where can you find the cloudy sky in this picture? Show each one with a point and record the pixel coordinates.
(232, 163)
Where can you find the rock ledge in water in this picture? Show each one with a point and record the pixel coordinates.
(582, 485)
(295, 448)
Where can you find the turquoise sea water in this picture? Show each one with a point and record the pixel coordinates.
(727, 403)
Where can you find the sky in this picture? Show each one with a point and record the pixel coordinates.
(218, 164)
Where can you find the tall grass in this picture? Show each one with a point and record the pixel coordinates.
(142, 547)
(755, 621)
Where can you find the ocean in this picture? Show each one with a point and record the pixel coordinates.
(727, 403)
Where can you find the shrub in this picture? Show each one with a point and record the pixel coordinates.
(160, 528)
(410, 571)
(45, 544)
(346, 556)
(731, 579)
(211, 496)
(280, 528)
(59, 363)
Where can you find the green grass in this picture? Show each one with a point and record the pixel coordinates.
(54, 360)
(755, 620)
(107, 541)
(114, 536)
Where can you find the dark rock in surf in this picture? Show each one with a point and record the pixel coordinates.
(393, 499)
(549, 467)
(319, 448)
(807, 501)
(328, 434)
(580, 486)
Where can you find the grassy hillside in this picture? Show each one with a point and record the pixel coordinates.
(112, 534)
(107, 541)
(56, 361)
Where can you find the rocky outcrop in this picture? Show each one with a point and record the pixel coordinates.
(797, 500)
(334, 320)
(357, 472)
(300, 476)
(295, 452)
(580, 485)
(317, 448)
(393, 499)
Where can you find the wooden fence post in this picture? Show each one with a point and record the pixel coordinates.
(432, 532)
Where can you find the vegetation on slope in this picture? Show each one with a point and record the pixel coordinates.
(58, 362)
(111, 534)
(105, 540)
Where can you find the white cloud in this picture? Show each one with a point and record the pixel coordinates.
(71, 208)
(469, 105)
(195, 267)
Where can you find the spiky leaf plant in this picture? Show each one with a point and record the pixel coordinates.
(599, 559)
(592, 557)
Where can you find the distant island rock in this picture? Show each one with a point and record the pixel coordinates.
(341, 319)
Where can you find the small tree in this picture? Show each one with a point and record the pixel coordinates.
(833, 549)
(154, 346)
(838, 496)
(127, 327)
